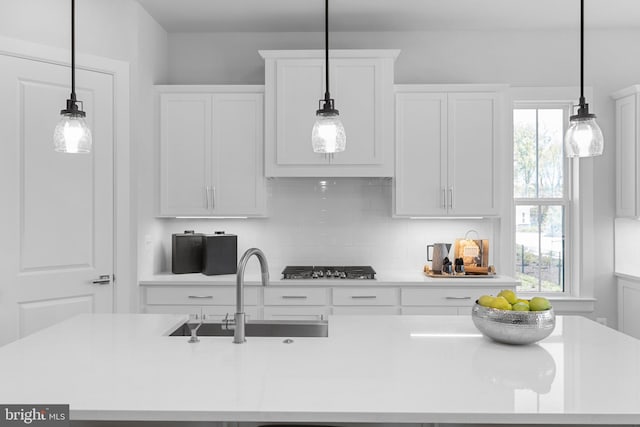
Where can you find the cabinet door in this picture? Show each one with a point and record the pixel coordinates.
(628, 303)
(299, 86)
(473, 132)
(363, 92)
(627, 157)
(185, 150)
(238, 186)
(357, 88)
(421, 138)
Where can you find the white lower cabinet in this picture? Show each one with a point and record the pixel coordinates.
(214, 301)
(379, 300)
(296, 313)
(305, 302)
(628, 303)
(445, 300)
(430, 310)
(296, 303)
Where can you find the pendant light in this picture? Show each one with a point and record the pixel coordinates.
(584, 137)
(328, 135)
(72, 135)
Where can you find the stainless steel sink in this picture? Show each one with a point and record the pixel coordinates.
(261, 328)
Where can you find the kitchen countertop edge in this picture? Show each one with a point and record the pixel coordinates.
(387, 279)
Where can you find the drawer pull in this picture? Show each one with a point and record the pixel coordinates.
(363, 296)
(457, 297)
(294, 297)
(201, 296)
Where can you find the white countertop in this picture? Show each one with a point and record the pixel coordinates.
(369, 369)
(389, 278)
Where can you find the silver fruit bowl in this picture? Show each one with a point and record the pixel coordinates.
(513, 327)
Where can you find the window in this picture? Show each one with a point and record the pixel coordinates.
(541, 184)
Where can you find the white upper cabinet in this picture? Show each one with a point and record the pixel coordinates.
(447, 144)
(627, 152)
(211, 141)
(361, 82)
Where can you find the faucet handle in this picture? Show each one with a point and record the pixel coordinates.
(228, 323)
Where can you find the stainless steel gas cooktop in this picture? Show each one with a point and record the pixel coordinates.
(325, 272)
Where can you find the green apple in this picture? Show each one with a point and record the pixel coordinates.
(539, 304)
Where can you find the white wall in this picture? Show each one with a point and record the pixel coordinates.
(103, 28)
(149, 67)
(525, 58)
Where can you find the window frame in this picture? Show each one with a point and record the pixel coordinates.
(568, 201)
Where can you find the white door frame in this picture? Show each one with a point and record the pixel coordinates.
(124, 258)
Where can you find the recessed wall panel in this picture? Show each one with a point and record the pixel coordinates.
(56, 206)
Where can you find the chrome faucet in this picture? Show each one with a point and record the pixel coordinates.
(239, 321)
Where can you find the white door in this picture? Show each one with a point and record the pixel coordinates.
(56, 218)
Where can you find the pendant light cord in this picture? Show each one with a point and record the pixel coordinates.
(582, 101)
(73, 50)
(326, 48)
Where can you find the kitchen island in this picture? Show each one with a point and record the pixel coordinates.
(371, 369)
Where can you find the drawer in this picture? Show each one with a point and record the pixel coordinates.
(295, 296)
(296, 313)
(365, 296)
(199, 295)
(445, 297)
(433, 310)
(213, 313)
(366, 310)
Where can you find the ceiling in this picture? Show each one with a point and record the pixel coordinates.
(388, 15)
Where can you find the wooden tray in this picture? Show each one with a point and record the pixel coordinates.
(458, 276)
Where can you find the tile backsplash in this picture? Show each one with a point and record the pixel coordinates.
(332, 221)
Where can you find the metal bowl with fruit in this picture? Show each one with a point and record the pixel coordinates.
(511, 320)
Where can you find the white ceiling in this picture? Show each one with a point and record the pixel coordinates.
(388, 15)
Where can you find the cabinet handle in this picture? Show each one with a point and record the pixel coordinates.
(206, 196)
(444, 199)
(213, 197)
(294, 297)
(363, 296)
(451, 197)
(201, 296)
(457, 297)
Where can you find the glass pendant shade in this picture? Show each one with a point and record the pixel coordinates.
(72, 135)
(328, 135)
(583, 138)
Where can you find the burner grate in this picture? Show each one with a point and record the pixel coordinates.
(329, 272)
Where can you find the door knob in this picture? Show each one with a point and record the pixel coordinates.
(104, 279)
